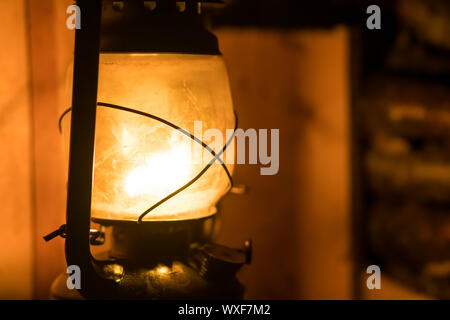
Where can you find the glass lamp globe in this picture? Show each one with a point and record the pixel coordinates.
(139, 160)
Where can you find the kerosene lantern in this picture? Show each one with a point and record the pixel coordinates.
(144, 72)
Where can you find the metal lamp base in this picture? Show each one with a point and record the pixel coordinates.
(177, 282)
(159, 261)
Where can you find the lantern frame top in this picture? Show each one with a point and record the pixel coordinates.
(134, 27)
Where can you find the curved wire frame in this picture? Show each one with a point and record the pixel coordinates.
(216, 156)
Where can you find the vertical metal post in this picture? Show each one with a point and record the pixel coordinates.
(84, 103)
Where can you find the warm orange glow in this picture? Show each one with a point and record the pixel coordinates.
(139, 160)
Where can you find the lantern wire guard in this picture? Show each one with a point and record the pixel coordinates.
(216, 156)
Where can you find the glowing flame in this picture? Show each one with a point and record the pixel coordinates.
(162, 270)
(162, 173)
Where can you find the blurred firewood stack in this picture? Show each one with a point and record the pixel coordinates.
(404, 115)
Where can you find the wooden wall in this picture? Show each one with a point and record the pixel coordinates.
(36, 50)
(298, 219)
(51, 48)
(16, 155)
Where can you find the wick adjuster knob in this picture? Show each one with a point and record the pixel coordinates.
(219, 262)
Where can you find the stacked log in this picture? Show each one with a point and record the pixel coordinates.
(407, 173)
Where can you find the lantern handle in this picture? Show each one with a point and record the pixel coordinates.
(79, 187)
